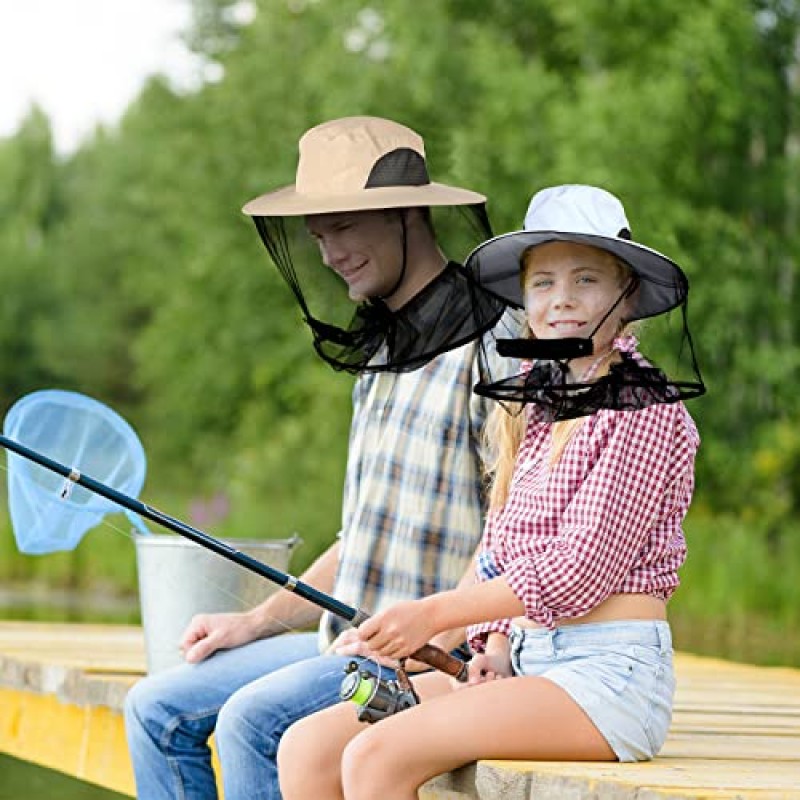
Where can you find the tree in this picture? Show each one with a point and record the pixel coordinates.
(28, 208)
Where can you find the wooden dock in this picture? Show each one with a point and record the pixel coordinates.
(735, 731)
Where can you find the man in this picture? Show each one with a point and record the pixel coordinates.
(412, 508)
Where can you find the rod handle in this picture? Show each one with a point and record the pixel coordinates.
(442, 660)
(428, 654)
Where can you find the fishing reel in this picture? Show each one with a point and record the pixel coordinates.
(377, 697)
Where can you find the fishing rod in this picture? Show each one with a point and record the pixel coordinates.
(361, 687)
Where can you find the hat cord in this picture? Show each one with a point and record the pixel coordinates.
(384, 297)
(625, 293)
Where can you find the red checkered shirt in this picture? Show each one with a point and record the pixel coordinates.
(605, 519)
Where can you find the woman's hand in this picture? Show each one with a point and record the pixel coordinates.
(484, 668)
(491, 665)
(400, 630)
(348, 643)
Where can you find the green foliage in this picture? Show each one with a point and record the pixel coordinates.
(28, 204)
(128, 272)
(740, 588)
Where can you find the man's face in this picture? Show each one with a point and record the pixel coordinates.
(364, 247)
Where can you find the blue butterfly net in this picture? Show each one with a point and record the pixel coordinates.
(48, 512)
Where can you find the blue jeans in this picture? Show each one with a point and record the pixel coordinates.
(246, 697)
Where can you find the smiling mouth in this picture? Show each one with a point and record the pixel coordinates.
(351, 272)
(571, 325)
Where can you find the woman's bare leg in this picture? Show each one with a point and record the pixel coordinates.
(310, 753)
(325, 735)
(527, 718)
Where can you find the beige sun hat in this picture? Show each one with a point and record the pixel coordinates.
(359, 164)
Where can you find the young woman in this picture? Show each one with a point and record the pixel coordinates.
(573, 657)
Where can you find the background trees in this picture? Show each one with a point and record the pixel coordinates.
(128, 272)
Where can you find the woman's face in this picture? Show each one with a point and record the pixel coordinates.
(568, 288)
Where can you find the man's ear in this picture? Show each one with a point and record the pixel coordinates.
(419, 218)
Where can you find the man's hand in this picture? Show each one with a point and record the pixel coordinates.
(207, 633)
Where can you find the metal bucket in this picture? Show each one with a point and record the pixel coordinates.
(178, 579)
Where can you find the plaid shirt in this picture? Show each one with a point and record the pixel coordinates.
(413, 506)
(605, 519)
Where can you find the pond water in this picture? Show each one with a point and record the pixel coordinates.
(43, 604)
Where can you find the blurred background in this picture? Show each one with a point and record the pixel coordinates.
(128, 273)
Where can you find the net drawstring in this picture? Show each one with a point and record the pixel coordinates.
(404, 262)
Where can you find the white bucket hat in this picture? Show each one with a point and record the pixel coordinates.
(359, 164)
(583, 215)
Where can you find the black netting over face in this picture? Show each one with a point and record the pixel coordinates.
(366, 335)
(545, 373)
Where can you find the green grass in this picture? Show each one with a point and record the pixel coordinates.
(739, 570)
(21, 779)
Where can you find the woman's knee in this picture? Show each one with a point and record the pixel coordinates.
(290, 752)
(296, 779)
(366, 765)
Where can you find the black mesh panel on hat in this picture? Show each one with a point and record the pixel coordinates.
(401, 167)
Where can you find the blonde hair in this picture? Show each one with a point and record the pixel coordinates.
(502, 438)
(506, 424)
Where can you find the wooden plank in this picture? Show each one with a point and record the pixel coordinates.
(735, 732)
(746, 699)
(695, 774)
(117, 648)
(700, 744)
(743, 723)
(87, 743)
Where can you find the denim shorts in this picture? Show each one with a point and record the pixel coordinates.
(619, 673)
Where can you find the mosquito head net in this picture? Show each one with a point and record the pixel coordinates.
(49, 513)
(377, 306)
(572, 366)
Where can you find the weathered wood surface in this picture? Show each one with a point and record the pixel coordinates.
(61, 692)
(735, 732)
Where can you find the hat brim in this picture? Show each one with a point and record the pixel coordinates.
(495, 264)
(288, 202)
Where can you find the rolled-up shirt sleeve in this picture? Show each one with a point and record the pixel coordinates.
(486, 568)
(600, 523)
